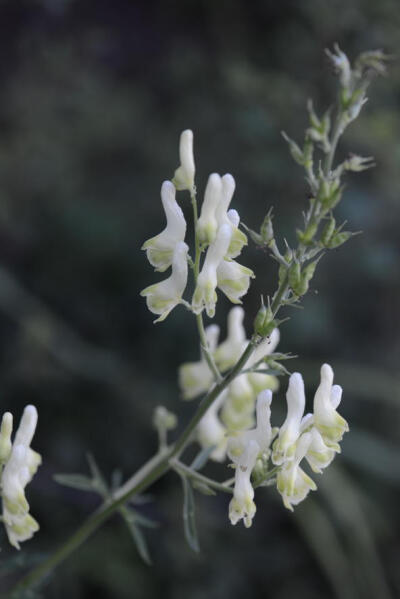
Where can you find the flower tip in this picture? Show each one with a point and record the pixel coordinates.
(264, 398)
(327, 373)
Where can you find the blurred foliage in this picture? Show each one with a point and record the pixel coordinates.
(93, 98)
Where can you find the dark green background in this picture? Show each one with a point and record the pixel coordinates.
(93, 97)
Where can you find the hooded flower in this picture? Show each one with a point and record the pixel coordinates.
(292, 482)
(205, 295)
(326, 419)
(207, 225)
(262, 433)
(18, 472)
(261, 381)
(234, 279)
(160, 249)
(228, 352)
(162, 297)
(242, 504)
(184, 174)
(196, 377)
(285, 446)
(231, 217)
(211, 431)
(319, 455)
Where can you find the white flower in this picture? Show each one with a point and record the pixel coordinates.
(162, 297)
(184, 174)
(207, 225)
(260, 381)
(319, 455)
(196, 377)
(18, 472)
(238, 409)
(292, 482)
(285, 446)
(160, 249)
(231, 217)
(228, 352)
(205, 295)
(242, 504)
(326, 419)
(211, 431)
(262, 433)
(234, 279)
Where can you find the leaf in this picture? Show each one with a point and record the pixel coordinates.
(76, 481)
(99, 482)
(137, 535)
(203, 488)
(189, 522)
(202, 457)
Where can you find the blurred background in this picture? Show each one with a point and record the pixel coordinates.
(93, 97)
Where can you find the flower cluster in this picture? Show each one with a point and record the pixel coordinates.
(314, 437)
(216, 232)
(236, 404)
(18, 464)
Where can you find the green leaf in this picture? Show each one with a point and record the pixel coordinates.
(202, 457)
(189, 521)
(76, 481)
(99, 482)
(137, 535)
(203, 488)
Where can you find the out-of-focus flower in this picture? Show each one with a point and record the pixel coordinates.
(229, 351)
(196, 377)
(211, 432)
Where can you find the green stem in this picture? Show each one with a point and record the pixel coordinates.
(193, 474)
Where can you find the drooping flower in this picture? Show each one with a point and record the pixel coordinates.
(285, 445)
(184, 174)
(162, 297)
(211, 432)
(205, 295)
(207, 225)
(231, 217)
(327, 420)
(228, 352)
(292, 482)
(19, 469)
(160, 249)
(262, 433)
(234, 279)
(196, 377)
(242, 505)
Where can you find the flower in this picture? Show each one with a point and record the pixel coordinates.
(260, 381)
(242, 504)
(231, 217)
(319, 455)
(207, 225)
(285, 446)
(160, 249)
(19, 469)
(228, 352)
(196, 377)
(184, 174)
(5, 438)
(233, 279)
(211, 431)
(162, 297)
(262, 433)
(292, 482)
(326, 419)
(205, 295)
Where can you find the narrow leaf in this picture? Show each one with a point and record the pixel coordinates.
(99, 482)
(189, 522)
(137, 535)
(76, 481)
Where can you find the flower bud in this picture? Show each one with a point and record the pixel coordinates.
(328, 231)
(184, 174)
(264, 322)
(163, 419)
(339, 239)
(341, 65)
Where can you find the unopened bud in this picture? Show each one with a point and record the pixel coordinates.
(294, 275)
(267, 230)
(339, 239)
(264, 322)
(163, 419)
(328, 231)
(307, 236)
